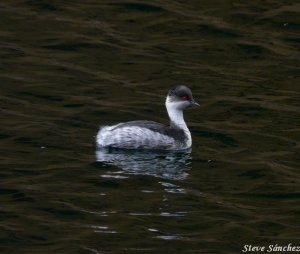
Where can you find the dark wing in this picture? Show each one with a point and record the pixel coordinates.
(157, 127)
(151, 125)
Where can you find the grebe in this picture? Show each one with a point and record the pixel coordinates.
(144, 134)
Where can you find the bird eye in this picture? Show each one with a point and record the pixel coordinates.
(185, 97)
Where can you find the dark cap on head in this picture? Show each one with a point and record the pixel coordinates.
(182, 93)
(180, 90)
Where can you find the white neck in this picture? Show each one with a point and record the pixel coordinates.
(176, 115)
(175, 112)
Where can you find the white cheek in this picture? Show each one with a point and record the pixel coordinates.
(176, 104)
(180, 104)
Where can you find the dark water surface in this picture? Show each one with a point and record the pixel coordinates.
(67, 67)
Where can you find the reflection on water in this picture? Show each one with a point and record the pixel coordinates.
(67, 68)
(164, 164)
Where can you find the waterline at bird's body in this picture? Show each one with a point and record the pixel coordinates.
(144, 134)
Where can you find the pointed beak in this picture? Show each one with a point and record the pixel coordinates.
(194, 104)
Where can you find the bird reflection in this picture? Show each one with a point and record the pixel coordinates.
(163, 164)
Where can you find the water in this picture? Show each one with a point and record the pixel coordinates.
(67, 68)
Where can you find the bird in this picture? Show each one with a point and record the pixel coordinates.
(144, 134)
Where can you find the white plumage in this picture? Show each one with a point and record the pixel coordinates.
(152, 135)
(133, 137)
